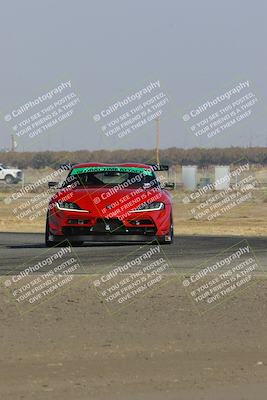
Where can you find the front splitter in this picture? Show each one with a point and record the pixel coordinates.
(107, 238)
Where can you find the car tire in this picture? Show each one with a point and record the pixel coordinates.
(9, 179)
(48, 243)
(52, 243)
(171, 235)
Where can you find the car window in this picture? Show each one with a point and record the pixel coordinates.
(112, 176)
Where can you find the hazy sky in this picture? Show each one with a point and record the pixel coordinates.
(198, 50)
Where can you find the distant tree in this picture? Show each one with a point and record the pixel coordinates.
(42, 160)
(171, 156)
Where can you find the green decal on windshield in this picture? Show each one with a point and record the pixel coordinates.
(85, 170)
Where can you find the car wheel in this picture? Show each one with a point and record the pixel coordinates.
(9, 179)
(48, 243)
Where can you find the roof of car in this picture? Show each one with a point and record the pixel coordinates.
(137, 165)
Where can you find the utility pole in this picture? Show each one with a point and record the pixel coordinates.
(13, 143)
(158, 140)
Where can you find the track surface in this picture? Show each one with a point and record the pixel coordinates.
(155, 348)
(187, 252)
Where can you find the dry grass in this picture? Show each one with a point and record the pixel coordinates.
(247, 220)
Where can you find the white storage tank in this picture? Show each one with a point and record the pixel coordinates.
(222, 177)
(189, 176)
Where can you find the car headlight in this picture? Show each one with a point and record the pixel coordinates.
(154, 206)
(69, 206)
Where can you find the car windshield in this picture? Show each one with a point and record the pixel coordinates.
(113, 176)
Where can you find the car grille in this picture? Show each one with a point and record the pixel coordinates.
(108, 227)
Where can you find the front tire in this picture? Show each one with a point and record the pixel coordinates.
(52, 243)
(48, 243)
(168, 239)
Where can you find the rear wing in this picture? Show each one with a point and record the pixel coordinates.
(159, 167)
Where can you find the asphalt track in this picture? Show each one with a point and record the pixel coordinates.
(185, 254)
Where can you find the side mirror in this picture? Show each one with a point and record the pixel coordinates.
(169, 185)
(52, 184)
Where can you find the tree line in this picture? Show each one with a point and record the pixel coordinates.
(171, 156)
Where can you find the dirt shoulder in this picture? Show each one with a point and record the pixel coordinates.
(158, 347)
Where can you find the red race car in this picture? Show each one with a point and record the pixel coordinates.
(110, 203)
